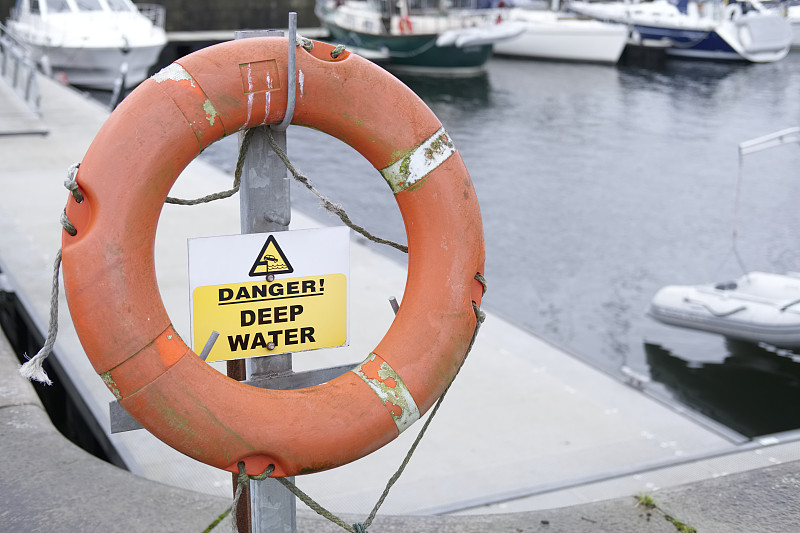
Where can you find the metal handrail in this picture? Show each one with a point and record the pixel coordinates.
(19, 70)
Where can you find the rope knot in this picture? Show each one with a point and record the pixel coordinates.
(306, 43)
(336, 52)
(359, 528)
(71, 184)
(244, 478)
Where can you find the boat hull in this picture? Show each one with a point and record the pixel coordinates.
(718, 33)
(418, 53)
(548, 35)
(700, 44)
(98, 68)
(91, 47)
(730, 41)
(748, 312)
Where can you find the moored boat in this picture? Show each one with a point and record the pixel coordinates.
(560, 36)
(758, 307)
(743, 31)
(420, 36)
(90, 42)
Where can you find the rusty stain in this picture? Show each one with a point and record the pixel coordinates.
(389, 387)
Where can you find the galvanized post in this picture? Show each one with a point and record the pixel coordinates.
(265, 206)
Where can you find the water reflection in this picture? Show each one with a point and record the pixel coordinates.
(754, 391)
(679, 76)
(470, 91)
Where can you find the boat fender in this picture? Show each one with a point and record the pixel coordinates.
(110, 277)
(733, 11)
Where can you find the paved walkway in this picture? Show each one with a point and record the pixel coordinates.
(47, 484)
(525, 427)
(16, 118)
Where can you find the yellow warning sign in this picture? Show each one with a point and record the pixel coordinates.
(264, 318)
(271, 260)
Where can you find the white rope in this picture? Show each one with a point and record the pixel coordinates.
(33, 368)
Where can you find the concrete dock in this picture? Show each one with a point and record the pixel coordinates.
(525, 434)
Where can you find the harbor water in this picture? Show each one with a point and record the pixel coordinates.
(598, 185)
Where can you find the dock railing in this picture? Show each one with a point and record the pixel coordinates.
(18, 69)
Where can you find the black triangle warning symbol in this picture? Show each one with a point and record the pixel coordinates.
(270, 260)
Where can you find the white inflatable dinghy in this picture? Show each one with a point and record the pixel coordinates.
(758, 307)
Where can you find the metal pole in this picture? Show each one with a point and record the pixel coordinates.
(265, 206)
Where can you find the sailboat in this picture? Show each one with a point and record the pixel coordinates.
(740, 31)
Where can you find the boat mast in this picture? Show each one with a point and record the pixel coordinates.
(403, 5)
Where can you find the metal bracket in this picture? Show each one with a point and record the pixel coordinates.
(292, 89)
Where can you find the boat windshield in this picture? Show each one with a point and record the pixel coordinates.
(54, 6)
(119, 5)
(89, 5)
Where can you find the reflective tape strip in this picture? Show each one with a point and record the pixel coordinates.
(419, 162)
(388, 386)
(173, 72)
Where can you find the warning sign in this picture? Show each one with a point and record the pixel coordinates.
(271, 260)
(272, 317)
(303, 306)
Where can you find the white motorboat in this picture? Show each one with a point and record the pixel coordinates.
(424, 36)
(758, 307)
(90, 42)
(561, 36)
(744, 31)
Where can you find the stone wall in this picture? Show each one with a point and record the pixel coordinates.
(188, 15)
(197, 15)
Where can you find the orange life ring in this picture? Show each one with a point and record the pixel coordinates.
(405, 25)
(110, 279)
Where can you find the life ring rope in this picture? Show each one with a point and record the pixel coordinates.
(326, 203)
